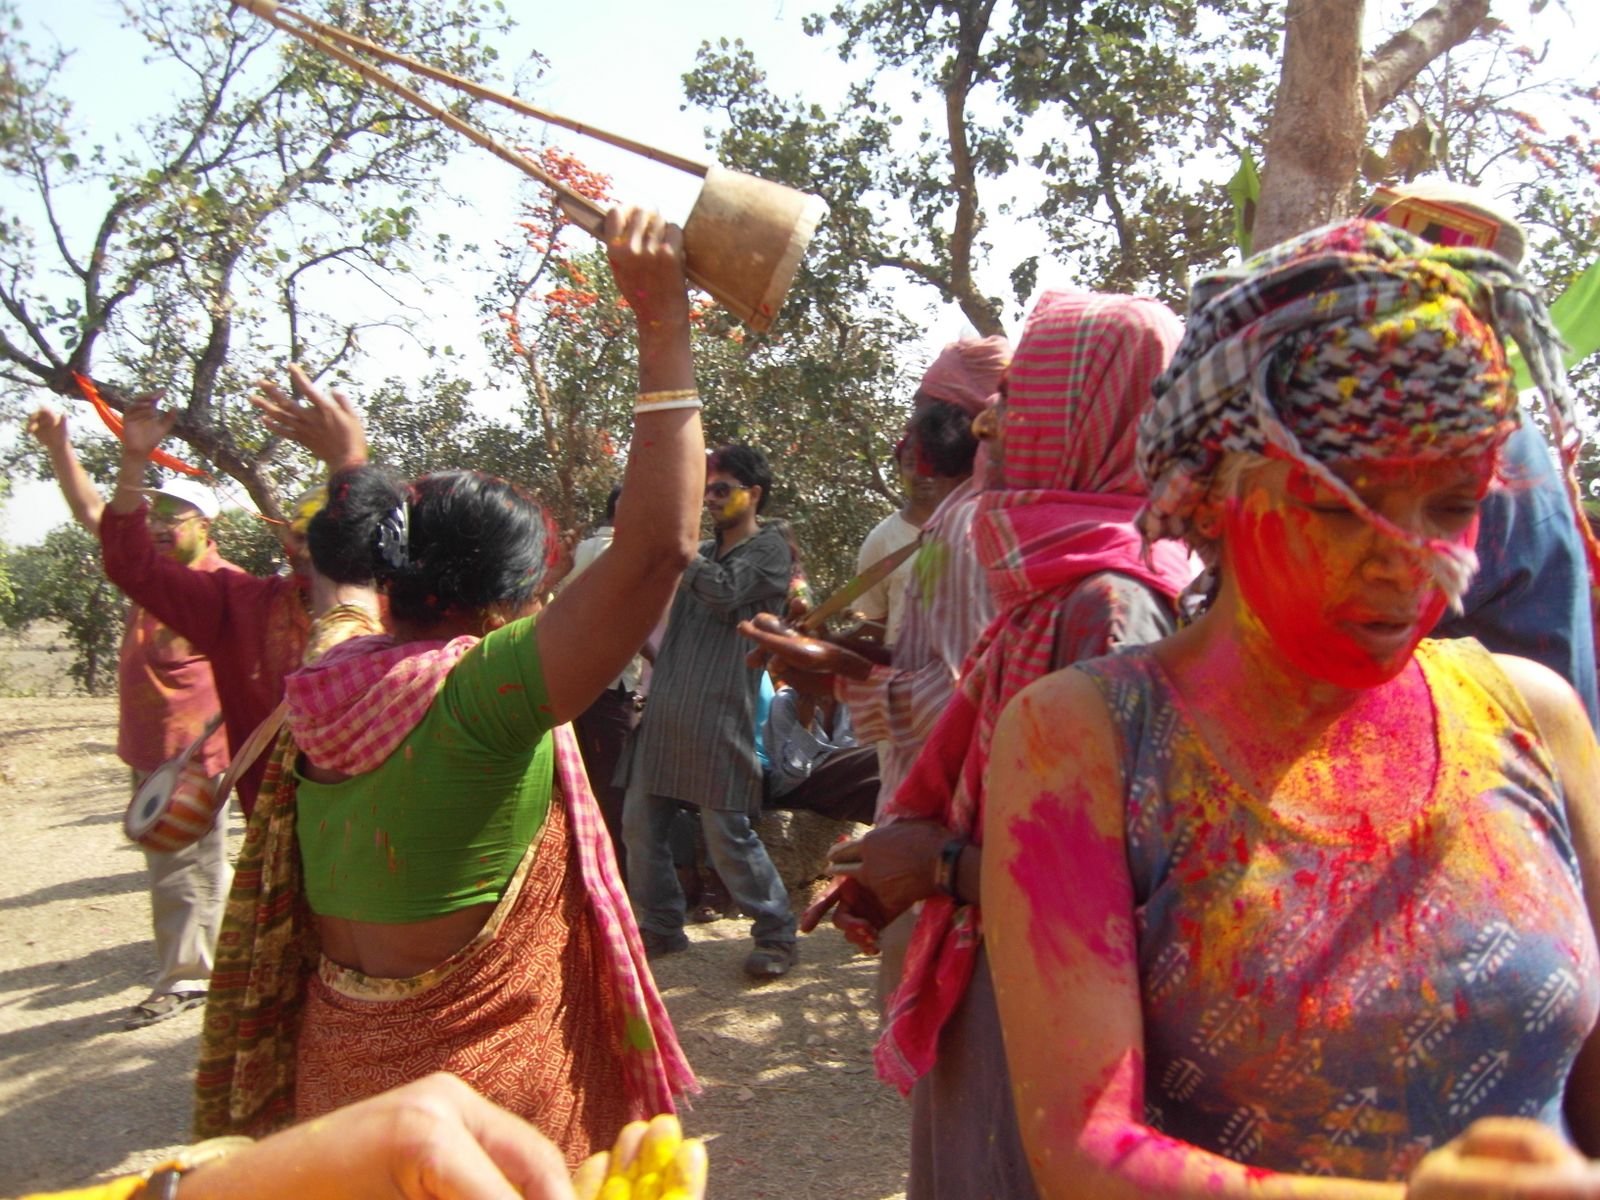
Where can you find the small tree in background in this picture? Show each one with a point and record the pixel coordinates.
(60, 579)
(566, 336)
(249, 542)
(822, 393)
(273, 167)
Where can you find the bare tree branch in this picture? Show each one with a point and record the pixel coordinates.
(1392, 67)
(962, 287)
(13, 304)
(41, 173)
(10, 352)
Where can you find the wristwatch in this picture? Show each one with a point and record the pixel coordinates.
(946, 879)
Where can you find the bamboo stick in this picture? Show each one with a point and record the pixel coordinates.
(272, 11)
(585, 213)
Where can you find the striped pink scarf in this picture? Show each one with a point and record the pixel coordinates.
(1080, 378)
(355, 707)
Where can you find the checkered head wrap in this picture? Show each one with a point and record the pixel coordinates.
(1354, 341)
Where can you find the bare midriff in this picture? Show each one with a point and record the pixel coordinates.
(399, 951)
(393, 951)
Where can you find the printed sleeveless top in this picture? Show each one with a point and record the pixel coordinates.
(1340, 1005)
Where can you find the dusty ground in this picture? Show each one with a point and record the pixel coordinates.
(791, 1106)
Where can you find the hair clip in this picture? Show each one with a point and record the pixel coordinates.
(392, 539)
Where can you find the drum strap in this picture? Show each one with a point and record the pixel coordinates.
(260, 738)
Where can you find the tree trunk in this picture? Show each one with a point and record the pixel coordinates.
(1319, 121)
(1327, 93)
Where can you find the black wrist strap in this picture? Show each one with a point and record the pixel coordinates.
(950, 868)
(162, 1184)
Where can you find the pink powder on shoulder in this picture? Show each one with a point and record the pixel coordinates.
(1075, 880)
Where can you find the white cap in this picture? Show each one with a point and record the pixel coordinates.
(190, 492)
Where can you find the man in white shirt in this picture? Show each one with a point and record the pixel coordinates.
(934, 458)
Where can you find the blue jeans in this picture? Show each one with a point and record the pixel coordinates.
(736, 852)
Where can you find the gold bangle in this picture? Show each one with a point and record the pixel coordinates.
(670, 396)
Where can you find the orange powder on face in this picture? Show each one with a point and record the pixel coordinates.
(1299, 574)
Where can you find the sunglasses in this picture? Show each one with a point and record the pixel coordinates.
(721, 490)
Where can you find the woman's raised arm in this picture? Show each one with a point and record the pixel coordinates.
(598, 623)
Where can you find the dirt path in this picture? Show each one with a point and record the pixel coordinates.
(791, 1106)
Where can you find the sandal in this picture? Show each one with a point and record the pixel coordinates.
(162, 1008)
(714, 903)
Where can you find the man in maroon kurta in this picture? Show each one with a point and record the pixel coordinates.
(165, 698)
(252, 628)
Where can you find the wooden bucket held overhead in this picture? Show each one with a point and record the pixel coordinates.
(743, 240)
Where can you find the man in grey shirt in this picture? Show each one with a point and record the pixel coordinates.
(816, 762)
(696, 743)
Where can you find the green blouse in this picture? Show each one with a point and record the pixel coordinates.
(443, 822)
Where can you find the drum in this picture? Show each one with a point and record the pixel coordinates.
(176, 804)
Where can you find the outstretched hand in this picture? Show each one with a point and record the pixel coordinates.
(144, 427)
(1505, 1156)
(325, 424)
(808, 656)
(50, 429)
(435, 1139)
(648, 1159)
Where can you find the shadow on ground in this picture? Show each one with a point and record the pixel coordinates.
(795, 1054)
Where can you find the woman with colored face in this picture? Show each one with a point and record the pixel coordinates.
(1297, 902)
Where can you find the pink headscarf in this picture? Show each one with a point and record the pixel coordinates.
(967, 373)
(1074, 394)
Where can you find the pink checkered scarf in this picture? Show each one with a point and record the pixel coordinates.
(354, 708)
(966, 373)
(1076, 388)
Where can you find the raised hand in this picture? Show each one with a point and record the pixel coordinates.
(646, 255)
(326, 425)
(144, 427)
(50, 429)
